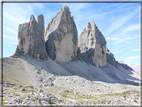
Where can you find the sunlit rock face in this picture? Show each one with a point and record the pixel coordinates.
(92, 45)
(61, 37)
(31, 39)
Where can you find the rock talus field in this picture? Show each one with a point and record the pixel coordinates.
(54, 67)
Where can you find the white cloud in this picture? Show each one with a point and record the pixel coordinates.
(137, 49)
(121, 37)
(10, 38)
(90, 17)
(10, 30)
(15, 13)
(132, 28)
(38, 5)
(9, 43)
(117, 39)
(132, 58)
(119, 22)
(76, 7)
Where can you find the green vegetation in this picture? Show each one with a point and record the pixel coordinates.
(5, 79)
(126, 93)
(11, 91)
(15, 88)
(40, 102)
(52, 102)
(5, 103)
(129, 92)
(33, 100)
(11, 80)
(32, 90)
(25, 91)
(99, 99)
(77, 96)
(17, 95)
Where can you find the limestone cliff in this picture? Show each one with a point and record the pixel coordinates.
(92, 45)
(31, 39)
(110, 58)
(61, 37)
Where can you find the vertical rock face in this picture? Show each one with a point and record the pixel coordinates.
(31, 39)
(79, 56)
(110, 58)
(92, 45)
(61, 37)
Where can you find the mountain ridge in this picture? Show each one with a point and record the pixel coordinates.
(63, 47)
(65, 69)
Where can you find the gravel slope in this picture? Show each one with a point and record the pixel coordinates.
(75, 79)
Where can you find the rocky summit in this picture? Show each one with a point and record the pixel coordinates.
(54, 67)
(61, 37)
(31, 39)
(92, 45)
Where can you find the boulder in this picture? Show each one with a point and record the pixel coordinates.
(31, 39)
(110, 58)
(92, 45)
(61, 37)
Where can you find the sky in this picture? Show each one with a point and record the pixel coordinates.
(118, 22)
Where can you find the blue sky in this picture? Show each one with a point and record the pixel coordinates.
(118, 22)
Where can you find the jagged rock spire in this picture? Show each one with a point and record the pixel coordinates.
(31, 39)
(61, 37)
(92, 45)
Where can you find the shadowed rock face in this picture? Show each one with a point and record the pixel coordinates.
(124, 65)
(79, 56)
(61, 37)
(92, 45)
(110, 58)
(31, 39)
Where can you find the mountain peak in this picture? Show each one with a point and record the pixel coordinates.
(65, 8)
(90, 25)
(32, 17)
(92, 45)
(61, 37)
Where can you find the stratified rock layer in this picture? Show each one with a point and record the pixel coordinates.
(31, 39)
(93, 45)
(110, 58)
(61, 37)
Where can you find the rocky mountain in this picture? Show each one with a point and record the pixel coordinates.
(61, 37)
(92, 45)
(31, 39)
(54, 67)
